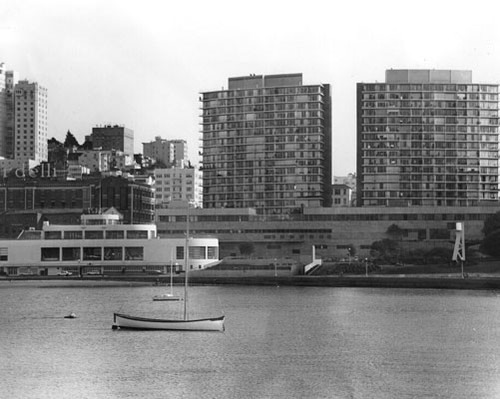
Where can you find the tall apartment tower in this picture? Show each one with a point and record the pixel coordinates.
(266, 144)
(169, 152)
(114, 137)
(31, 124)
(427, 137)
(8, 80)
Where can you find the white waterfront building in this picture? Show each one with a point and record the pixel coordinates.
(102, 244)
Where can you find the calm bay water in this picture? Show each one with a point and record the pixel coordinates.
(280, 342)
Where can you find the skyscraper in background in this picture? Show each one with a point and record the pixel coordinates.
(427, 137)
(267, 144)
(8, 80)
(31, 122)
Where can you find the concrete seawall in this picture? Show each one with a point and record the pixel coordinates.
(408, 281)
(476, 283)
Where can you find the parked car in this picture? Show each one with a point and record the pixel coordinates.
(64, 273)
(94, 273)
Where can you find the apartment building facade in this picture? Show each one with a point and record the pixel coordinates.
(178, 186)
(169, 152)
(113, 137)
(341, 195)
(31, 122)
(37, 196)
(266, 144)
(427, 138)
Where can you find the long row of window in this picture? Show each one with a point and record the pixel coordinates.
(275, 108)
(97, 254)
(260, 92)
(436, 121)
(428, 115)
(90, 254)
(425, 129)
(474, 88)
(297, 115)
(247, 135)
(96, 234)
(292, 123)
(251, 100)
(311, 218)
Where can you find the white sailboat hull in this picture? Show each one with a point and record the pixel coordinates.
(123, 321)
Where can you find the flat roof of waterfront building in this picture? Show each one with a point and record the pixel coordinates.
(325, 211)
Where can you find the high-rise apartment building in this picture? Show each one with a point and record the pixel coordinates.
(31, 123)
(427, 137)
(266, 144)
(114, 137)
(169, 152)
(8, 80)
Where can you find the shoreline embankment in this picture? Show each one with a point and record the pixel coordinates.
(426, 282)
(476, 282)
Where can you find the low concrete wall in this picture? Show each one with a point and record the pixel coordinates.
(476, 283)
(426, 282)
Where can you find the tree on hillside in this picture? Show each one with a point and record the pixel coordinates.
(70, 140)
(87, 145)
(490, 244)
(246, 248)
(55, 142)
(491, 224)
(394, 231)
(491, 231)
(351, 250)
(385, 250)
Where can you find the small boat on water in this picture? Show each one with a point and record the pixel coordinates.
(123, 321)
(168, 296)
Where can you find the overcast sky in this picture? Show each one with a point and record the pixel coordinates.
(142, 64)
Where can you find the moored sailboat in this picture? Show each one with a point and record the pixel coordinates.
(123, 321)
(168, 296)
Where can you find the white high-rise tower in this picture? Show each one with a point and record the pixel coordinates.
(31, 125)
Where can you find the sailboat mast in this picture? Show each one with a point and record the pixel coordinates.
(187, 264)
(171, 273)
